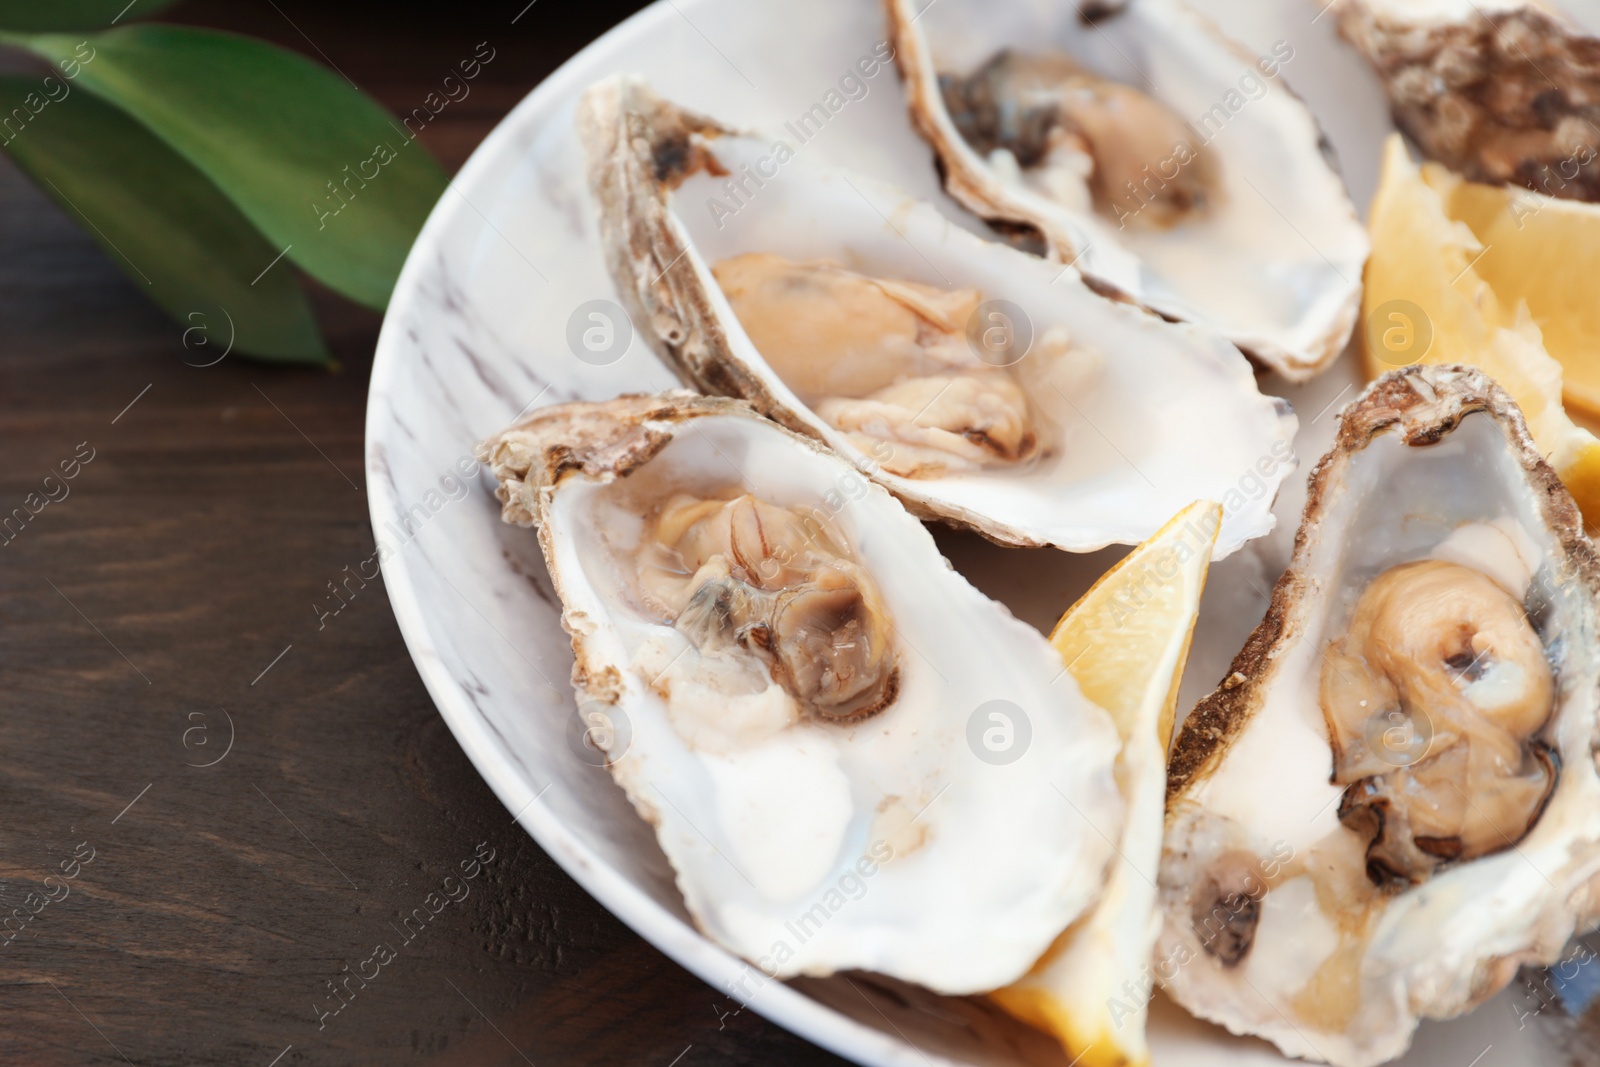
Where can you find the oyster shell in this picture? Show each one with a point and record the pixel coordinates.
(981, 385)
(1502, 91)
(1391, 803)
(788, 679)
(1206, 195)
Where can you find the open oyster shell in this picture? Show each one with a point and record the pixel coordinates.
(1131, 418)
(851, 757)
(1505, 92)
(1270, 257)
(1288, 913)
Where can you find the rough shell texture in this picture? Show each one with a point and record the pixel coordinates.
(1423, 405)
(969, 186)
(1504, 93)
(640, 145)
(532, 457)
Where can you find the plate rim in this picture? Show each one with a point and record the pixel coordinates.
(795, 1011)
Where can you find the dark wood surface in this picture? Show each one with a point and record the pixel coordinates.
(171, 589)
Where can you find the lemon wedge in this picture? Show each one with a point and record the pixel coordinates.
(1125, 642)
(1437, 293)
(1545, 253)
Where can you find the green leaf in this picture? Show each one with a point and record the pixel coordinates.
(319, 167)
(32, 16)
(169, 228)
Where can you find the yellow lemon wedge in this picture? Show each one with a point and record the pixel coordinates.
(1452, 279)
(1125, 643)
(1544, 253)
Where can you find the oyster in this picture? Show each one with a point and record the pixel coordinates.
(1505, 92)
(1391, 803)
(802, 679)
(1206, 195)
(981, 385)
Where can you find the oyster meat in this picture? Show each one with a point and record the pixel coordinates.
(981, 385)
(1205, 194)
(1391, 803)
(852, 758)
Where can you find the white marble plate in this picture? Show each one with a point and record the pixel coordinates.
(477, 332)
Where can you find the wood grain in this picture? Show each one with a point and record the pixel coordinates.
(141, 611)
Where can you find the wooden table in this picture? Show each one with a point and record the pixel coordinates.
(208, 910)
